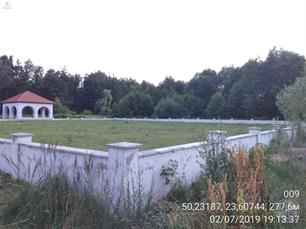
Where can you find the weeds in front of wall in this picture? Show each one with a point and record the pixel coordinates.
(252, 178)
(232, 177)
(300, 138)
(55, 204)
(169, 170)
(250, 186)
(280, 143)
(214, 158)
(59, 197)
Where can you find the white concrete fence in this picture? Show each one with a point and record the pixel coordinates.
(209, 121)
(124, 168)
(179, 120)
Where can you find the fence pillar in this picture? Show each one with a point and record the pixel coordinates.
(293, 131)
(276, 127)
(17, 138)
(256, 131)
(123, 172)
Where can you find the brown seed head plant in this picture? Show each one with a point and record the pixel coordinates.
(250, 178)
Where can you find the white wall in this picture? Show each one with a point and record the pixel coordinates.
(211, 121)
(123, 166)
(31, 161)
(5, 148)
(151, 162)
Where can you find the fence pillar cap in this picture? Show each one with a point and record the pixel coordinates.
(125, 145)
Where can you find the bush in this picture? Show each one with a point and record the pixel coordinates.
(216, 159)
(86, 112)
(195, 193)
(105, 111)
(71, 114)
(216, 106)
(103, 105)
(192, 105)
(280, 143)
(134, 104)
(59, 108)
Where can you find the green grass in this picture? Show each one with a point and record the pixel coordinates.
(96, 134)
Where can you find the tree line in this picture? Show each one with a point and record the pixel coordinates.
(248, 91)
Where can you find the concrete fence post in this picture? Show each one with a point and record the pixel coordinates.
(17, 138)
(123, 172)
(292, 132)
(276, 127)
(256, 131)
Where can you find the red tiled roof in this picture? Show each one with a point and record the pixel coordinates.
(27, 97)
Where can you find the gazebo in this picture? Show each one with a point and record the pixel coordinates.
(27, 105)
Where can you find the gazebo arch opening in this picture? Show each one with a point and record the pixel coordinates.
(28, 112)
(14, 112)
(6, 112)
(43, 112)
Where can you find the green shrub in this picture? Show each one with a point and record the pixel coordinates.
(216, 106)
(71, 114)
(134, 104)
(216, 159)
(106, 111)
(195, 193)
(169, 170)
(60, 108)
(169, 108)
(280, 143)
(86, 112)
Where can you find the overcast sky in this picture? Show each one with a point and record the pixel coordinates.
(149, 40)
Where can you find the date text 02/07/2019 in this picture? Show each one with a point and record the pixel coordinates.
(246, 219)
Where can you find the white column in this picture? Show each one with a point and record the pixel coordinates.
(51, 111)
(17, 138)
(11, 115)
(276, 127)
(35, 111)
(3, 112)
(256, 131)
(123, 171)
(19, 111)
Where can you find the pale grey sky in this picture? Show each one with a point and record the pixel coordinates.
(149, 40)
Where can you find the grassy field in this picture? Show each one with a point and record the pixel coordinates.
(96, 134)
